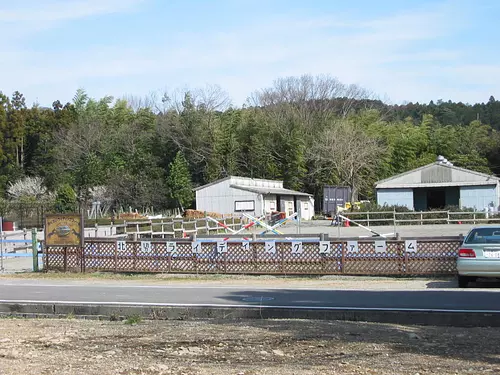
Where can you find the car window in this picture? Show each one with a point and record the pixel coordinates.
(483, 235)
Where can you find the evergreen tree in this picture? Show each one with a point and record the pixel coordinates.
(179, 181)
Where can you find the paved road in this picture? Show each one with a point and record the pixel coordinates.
(51, 291)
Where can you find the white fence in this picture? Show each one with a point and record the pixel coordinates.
(422, 218)
(165, 228)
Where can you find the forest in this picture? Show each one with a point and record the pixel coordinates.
(308, 131)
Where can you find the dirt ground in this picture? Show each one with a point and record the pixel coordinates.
(245, 347)
(328, 282)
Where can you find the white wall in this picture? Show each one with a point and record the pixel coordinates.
(478, 197)
(270, 204)
(220, 198)
(395, 197)
(287, 204)
(306, 207)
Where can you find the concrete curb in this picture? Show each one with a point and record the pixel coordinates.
(114, 312)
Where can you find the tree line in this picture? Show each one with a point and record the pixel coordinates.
(308, 131)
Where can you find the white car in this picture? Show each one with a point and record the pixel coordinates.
(479, 255)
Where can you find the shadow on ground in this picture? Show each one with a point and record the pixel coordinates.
(453, 283)
(472, 344)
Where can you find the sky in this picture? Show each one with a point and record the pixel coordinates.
(402, 51)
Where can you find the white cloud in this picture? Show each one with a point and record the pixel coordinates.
(392, 56)
(52, 11)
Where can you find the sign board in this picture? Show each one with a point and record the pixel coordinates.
(64, 230)
(245, 245)
(171, 247)
(196, 247)
(325, 247)
(146, 246)
(352, 247)
(242, 206)
(380, 246)
(270, 247)
(411, 246)
(121, 246)
(297, 247)
(222, 247)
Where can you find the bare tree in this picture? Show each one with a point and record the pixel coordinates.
(347, 154)
(82, 138)
(211, 98)
(193, 122)
(311, 97)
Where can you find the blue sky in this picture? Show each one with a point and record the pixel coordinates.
(401, 50)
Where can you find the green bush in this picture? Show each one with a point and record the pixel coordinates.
(66, 201)
(384, 215)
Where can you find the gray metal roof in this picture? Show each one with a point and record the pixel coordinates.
(269, 190)
(437, 175)
(238, 178)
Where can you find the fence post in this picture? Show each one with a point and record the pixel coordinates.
(406, 260)
(34, 249)
(448, 217)
(116, 255)
(368, 218)
(421, 218)
(65, 259)
(474, 217)
(282, 259)
(394, 219)
(342, 261)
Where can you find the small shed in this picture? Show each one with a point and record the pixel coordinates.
(438, 185)
(233, 195)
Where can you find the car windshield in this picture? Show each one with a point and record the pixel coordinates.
(483, 235)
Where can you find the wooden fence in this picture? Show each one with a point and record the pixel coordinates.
(433, 256)
(422, 217)
(164, 228)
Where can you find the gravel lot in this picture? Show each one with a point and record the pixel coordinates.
(277, 347)
(313, 227)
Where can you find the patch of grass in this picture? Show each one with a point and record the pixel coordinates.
(71, 315)
(114, 318)
(133, 320)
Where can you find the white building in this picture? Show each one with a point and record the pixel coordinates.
(439, 185)
(257, 197)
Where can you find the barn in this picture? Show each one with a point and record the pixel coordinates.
(257, 197)
(439, 185)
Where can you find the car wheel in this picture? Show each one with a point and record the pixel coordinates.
(463, 281)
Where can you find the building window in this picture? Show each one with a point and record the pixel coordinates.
(242, 206)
